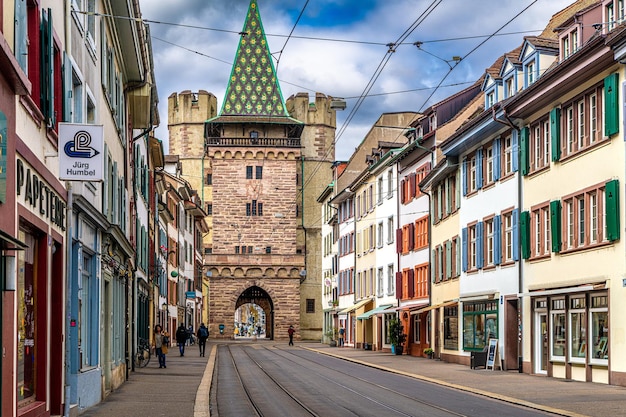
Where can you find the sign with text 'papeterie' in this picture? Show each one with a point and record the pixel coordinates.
(81, 155)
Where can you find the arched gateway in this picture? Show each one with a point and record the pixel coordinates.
(257, 296)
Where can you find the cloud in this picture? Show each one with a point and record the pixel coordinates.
(195, 41)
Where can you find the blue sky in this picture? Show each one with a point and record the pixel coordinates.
(337, 47)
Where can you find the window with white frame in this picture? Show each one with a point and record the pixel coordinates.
(585, 222)
(390, 186)
(577, 329)
(507, 241)
(540, 145)
(530, 73)
(391, 280)
(489, 241)
(489, 164)
(599, 326)
(507, 150)
(381, 282)
(417, 324)
(390, 230)
(77, 98)
(473, 184)
(472, 246)
(581, 121)
(558, 329)
(540, 230)
(379, 191)
(380, 235)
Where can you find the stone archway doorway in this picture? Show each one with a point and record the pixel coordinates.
(255, 307)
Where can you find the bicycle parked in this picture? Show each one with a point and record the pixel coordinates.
(142, 358)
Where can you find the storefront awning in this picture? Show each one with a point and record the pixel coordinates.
(373, 312)
(8, 242)
(422, 310)
(355, 306)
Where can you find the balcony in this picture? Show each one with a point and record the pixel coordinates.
(254, 142)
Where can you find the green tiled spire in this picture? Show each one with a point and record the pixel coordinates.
(253, 88)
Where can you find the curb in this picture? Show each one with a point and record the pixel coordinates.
(202, 406)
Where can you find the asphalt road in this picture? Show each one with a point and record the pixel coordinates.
(267, 380)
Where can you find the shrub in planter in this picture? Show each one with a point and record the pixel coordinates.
(430, 352)
(397, 338)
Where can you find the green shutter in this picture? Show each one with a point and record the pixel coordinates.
(524, 225)
(611, 197)
(555, 225)
(47, 68)
(611, 103)
(555, 133)
(448, 260)
(523, 155)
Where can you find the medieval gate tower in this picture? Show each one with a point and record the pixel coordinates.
(259, 166)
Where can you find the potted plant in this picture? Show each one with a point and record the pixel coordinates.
(430, 352)
(396, 336)
(332, 334)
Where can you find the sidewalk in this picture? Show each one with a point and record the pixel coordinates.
(560, 396)
(183, 388)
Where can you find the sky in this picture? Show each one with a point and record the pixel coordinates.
(340, 48)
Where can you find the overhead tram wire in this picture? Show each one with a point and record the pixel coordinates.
(468, 54)
(381, 66)
(312, 38)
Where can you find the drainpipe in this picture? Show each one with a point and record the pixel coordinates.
(68, 293)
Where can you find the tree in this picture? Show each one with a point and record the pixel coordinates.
(396, 333)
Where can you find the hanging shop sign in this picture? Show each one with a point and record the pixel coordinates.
(81, 155)
(38, 196)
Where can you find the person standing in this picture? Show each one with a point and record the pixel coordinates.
(181, 339)
(160, 345)
(291, 331)
(341, 333)
(190, 335)
(203, 335)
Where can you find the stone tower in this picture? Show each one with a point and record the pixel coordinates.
(263, 163)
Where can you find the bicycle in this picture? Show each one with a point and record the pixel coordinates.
(142, 358)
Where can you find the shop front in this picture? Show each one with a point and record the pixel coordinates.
(571, 337)
(39, 289)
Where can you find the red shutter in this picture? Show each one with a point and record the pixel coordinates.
(401, 190)
(411, 292)
(412, 185)
(399, 285)
(411, 236)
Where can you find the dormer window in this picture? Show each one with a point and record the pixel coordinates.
(569, 43)
(433, 121)
(419, 132)
(490, 99)
(510, 89)
(530, 73)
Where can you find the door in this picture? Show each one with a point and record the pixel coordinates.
(541, 343)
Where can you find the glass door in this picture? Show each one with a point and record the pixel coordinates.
(541, 343)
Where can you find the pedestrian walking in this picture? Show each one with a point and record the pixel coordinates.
(341, 333)
(181, 339)
(291, 331)
(203, 335)
(190, 335)
(161, 340)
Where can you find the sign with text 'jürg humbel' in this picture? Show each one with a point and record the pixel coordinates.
(81, 156)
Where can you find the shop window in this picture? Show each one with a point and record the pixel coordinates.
(451, 327)
(26, 319)
(480, 323)
(577, 329)
(557, 323)
(599, 324)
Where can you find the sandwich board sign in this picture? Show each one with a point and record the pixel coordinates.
(492, 354)
(81, 156)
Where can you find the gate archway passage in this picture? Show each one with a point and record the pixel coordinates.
(258, 296)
